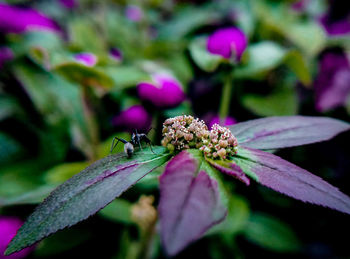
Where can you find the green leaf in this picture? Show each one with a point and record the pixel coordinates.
(85, 194)
(272, 104)
(126, 76)
(63, 172)
(262, 57)
(84, 75)
(296, 62)
(62, 241)
(200, 55)
(271, 233)
(118, 210)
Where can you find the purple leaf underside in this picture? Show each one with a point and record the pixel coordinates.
(85, 194)
(287, 178)
(189, 204)
(286, 131)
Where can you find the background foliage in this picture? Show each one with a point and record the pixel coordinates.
(56, 116)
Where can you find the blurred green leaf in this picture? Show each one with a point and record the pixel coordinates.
(200, 55)
(61, 242)
(236, 219)
(271, 233)
(260, 58)
(295, 61)
(84, 75)
(186, 21)
(85, 36)
(29, 197)
(126, 76)
(8, 106)
(10, 149)
(118, 210)
(283, 101)
(63, 172)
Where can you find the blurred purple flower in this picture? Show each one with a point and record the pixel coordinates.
(116, 54)
(8, 229)
(6, 54)
(86, 58)
(135, 117)
(227, 42)
(332, 85)
(337, 20)
(17, 20)
(228, 121)
(163, 92)
(133, 13)
(69, 3)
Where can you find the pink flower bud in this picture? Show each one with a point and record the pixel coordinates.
(227, 42)
(133, 13)
(163, 92)
(135, 117)
(86, 58)
(17, 20)
(228, 121)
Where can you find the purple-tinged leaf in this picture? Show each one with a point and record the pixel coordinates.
(287, 178)
(230, 169)
(286, 131)
(189, 204)
(85, 194)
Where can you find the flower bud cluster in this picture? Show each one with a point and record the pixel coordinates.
(184, 132)
(220, 144)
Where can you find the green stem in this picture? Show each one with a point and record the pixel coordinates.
(226, 97)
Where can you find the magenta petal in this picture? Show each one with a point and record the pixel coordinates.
(286, 131)
(135, 117)
(189, 203)
(85, 58)
(116, 54)
(163, 92)
(332, 85)
(287, 178)
(17, 20)
(8, 229)
(228, 121)
(227, 42)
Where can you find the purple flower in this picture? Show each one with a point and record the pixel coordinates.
(163, 92)
(116, 54)
(228, 121)
(69, 3)
(227, 42)
(8, 229)
(6, 54)
(135, 117)
(337, 20)
(332, 85)
(17, 20)
(85, 58)
(133, 13)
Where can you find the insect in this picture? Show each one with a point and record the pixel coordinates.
(136, 139)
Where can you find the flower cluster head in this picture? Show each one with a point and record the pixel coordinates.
(220, 144)
(184, 132)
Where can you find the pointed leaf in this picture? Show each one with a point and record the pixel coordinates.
(287, 178)
(190, 203)
(286, 131)
(85, 194)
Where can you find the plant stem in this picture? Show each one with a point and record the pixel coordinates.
(226, 97)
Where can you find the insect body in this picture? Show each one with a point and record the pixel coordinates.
(136, 139)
